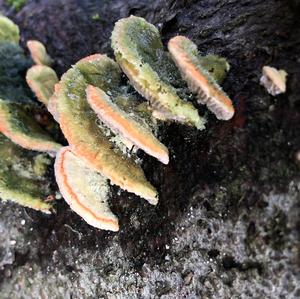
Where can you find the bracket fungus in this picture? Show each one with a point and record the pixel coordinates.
(185, 54)
(42, 79)
(273, 80)
(125, 125)
(38, 53)
(82, 195)
(21, 129)
(21, 172)
(86, 138)
(139, 51)
(100, 117)
(85, 190)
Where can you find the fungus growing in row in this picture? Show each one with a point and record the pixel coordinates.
(273, 80)
(85, 190)
(86, 136)
(21, 172)
(81, 194)
(15, 100)
(18, 180)
(41, 79)
(185, 54)
(99, 117)
(39, 53)
(139, 51)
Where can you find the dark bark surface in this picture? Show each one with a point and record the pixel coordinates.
(227, 224)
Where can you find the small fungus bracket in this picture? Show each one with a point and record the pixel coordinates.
(42, 79)
(17, 125)
(85, 190)
(185, 54)
(39, 53)
(9, 31)
(273, 80)
(137, 45)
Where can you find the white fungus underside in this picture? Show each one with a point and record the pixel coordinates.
(91, 189)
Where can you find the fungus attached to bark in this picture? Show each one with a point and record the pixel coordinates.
(18, 182)
(185, 54)
(85, 190)
(23, 130)
(139, 51)
(38, 53)
(273, 80)
(15, 96)
(80, 127)
(41, 79)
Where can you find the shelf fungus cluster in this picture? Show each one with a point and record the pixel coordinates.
(23, 170)
(103, 120)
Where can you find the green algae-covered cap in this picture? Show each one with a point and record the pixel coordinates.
(138, 48)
